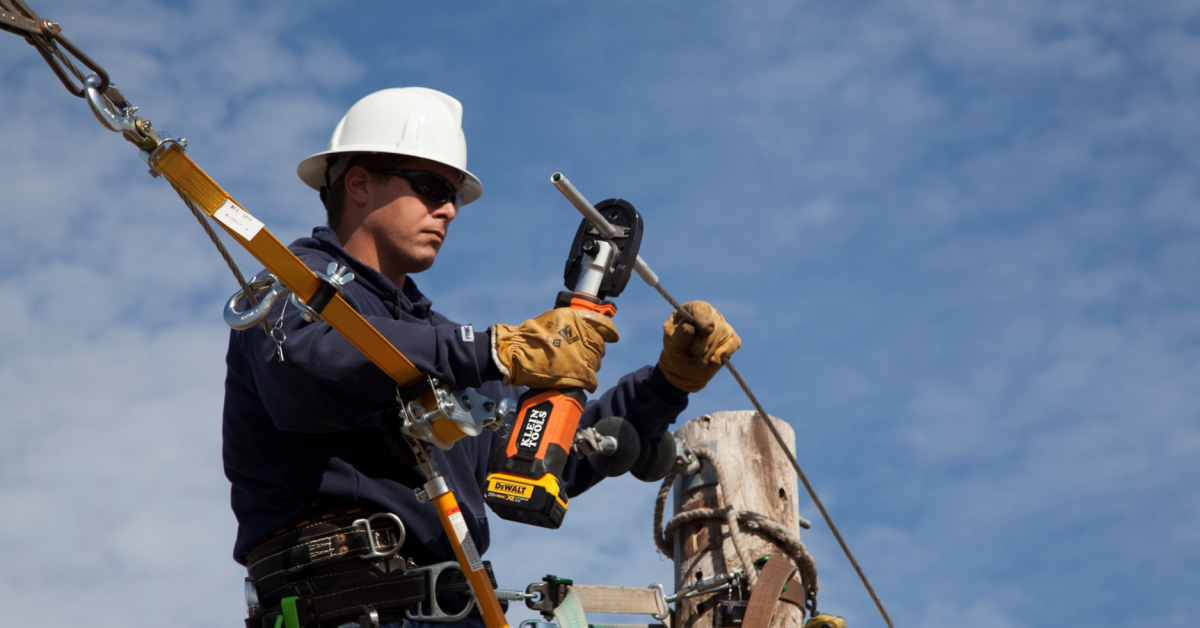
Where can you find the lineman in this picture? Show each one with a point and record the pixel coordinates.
(303, 446)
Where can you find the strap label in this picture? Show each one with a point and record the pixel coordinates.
(238, 220)
(464, 539)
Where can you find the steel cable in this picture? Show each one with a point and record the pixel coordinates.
(202, 218)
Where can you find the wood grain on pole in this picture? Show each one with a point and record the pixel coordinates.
(760, 480)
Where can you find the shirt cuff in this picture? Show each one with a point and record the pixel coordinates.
(488, 371)
(661, 386)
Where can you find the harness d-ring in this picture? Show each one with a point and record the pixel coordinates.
(373, 544)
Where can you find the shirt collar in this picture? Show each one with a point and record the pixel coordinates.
(410, 299)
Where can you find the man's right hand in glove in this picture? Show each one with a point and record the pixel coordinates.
(559, 349)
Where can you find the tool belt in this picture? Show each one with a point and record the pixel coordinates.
(345, 566)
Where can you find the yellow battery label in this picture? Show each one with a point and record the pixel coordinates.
(507, 487)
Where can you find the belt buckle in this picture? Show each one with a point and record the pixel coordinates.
(375, 552)
(436, 614)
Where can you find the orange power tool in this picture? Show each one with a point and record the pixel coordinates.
(525, 474)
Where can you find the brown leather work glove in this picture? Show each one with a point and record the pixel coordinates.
(692, 354)
(559, 349)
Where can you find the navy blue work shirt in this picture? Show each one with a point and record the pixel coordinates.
(303, 434)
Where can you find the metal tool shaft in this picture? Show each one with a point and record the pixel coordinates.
(606, 230)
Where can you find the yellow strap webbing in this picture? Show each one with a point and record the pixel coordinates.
(184, 174)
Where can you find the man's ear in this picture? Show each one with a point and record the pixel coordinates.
(358, 185)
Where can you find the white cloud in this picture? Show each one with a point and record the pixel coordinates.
(113, 449)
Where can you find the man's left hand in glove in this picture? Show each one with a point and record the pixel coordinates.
(693, 351)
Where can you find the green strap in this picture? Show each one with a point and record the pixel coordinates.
(570, 612)
(290, 618)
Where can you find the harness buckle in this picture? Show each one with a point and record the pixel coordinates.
(373, 541)
(436, 614)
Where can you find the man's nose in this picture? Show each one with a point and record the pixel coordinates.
(447, 211)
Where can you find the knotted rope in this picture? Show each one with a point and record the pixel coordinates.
(735, 520)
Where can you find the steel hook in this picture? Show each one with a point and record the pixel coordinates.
(266, 290)
(103, 108)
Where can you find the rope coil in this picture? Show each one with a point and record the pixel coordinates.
(736, 520)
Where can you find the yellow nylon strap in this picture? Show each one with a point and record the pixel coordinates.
(184, 174)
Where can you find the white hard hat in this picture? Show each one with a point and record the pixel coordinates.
(413, 121)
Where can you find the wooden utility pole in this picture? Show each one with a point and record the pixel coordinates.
(760, 479)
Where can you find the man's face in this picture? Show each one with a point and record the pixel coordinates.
(408, 228)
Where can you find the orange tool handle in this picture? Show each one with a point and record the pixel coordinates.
(468, 558)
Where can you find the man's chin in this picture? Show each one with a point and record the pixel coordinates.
(421, 265)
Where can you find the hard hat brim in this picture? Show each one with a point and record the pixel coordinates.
(312, 170)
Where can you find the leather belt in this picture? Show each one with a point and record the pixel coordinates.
(332, 599)
(342, 564)
(372, 537)
(330, 603)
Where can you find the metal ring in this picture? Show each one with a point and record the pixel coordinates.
(375, 552)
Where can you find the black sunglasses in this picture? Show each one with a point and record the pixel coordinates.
(431, 185)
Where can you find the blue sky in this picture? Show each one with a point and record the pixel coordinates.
(961, 241)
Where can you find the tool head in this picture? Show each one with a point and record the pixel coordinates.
(627, 240)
